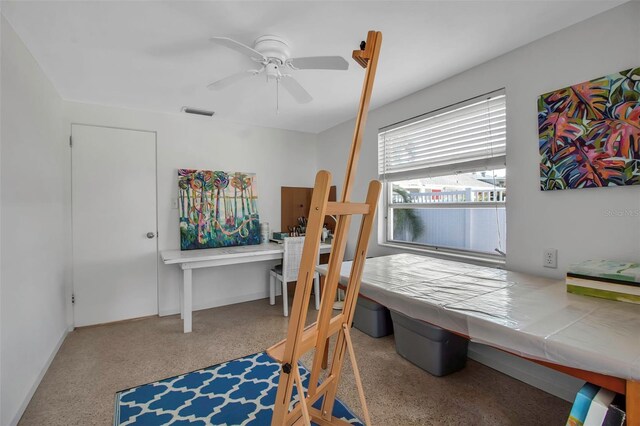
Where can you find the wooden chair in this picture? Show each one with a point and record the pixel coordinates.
(288, 272)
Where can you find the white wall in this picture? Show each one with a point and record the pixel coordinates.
(278, 157)
(576, 222)
(1, 109)
(34, 226)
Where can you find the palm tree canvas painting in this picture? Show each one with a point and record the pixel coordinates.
(590, 133)
(217, 209)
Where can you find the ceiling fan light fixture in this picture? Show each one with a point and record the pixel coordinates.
(272, 47)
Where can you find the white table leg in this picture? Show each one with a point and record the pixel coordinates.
(316, 289)
(272, 289)
(187, 300)
(181, 291)
(285, 298)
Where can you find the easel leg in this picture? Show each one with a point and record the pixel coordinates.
(325, 356)
(302, 398)
(187, 303)
(356, 374)
(633, 403)
(326, 310)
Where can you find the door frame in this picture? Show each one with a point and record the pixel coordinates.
(155, 161)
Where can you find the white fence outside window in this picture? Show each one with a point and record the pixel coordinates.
(468, 195)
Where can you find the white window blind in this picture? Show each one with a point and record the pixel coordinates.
(467, 136)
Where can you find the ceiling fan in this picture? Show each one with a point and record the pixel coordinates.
(272, 54)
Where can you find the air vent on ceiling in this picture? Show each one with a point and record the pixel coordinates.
(197, 111)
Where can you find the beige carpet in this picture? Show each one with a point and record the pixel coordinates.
(95, 362)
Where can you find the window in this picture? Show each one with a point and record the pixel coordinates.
(445, 179)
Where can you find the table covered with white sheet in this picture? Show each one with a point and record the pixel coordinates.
(527, 315)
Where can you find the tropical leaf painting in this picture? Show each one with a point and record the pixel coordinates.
(590, 133)
(217, 209)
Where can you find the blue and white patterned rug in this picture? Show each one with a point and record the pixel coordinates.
(238, 392)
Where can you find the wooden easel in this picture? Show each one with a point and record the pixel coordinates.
(316, 336)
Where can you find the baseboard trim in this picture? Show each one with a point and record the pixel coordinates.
(100, 324)
(218, 302)
(551, 381)
(35, 385)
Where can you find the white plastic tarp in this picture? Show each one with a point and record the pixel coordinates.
(527, 315)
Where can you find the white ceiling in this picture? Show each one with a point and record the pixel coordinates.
(155, 55)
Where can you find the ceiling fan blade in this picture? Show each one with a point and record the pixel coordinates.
(295, 89)
(239, 47)
(319, 63)
(233, 78)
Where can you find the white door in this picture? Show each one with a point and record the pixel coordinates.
(115, 258)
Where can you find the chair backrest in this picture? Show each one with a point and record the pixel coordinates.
(292, 256)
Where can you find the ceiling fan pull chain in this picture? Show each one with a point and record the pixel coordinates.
(277, 96)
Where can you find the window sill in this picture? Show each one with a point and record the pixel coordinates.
(496, 262)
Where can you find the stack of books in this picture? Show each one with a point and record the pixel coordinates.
(607, 279)
(595, 406)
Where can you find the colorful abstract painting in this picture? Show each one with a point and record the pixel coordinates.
(217, 209)
(590, 133)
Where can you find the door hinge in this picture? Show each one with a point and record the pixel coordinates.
(73, 299)
(70, 141)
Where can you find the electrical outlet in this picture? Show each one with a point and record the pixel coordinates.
(550, 258)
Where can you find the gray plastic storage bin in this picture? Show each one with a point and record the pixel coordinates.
(431, 348)
(372, 318)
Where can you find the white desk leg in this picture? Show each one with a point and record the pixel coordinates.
(316, 289)
(272, 288)
(285, 299)
(181, 291)
(187, 300)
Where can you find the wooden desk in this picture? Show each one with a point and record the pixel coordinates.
(209, 258)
